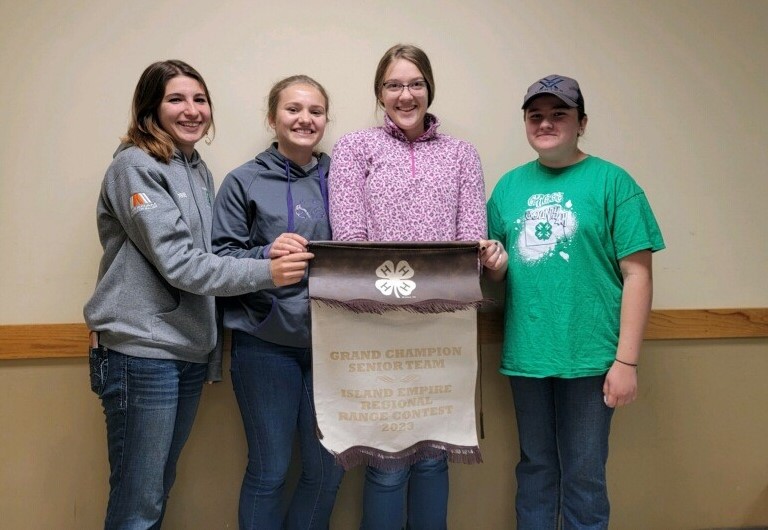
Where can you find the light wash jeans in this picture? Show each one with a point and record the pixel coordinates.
(563, 426)
(150, 405)
(273, 386)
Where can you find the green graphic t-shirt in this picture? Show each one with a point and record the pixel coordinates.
(566, 230)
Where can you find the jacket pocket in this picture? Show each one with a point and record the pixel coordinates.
(287, 323)
(189, 328)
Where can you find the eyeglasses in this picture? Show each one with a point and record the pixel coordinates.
(415, 87)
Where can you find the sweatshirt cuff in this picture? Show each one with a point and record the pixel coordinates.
(261, 275)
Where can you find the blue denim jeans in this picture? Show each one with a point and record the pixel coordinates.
(273, 386)
(150, 405)
(384, 497)
(563, 426)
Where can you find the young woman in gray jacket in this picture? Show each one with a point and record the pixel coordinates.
(152, 314)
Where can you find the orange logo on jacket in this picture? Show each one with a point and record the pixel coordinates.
(141, 201)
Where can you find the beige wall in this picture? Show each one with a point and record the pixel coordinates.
(675, 92)
(689, 454)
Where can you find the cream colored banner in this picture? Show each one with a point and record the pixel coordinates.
(390, 381)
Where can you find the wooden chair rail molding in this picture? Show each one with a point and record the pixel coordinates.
(41, 341)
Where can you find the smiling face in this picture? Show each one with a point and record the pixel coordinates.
(299, 121)
(184, 113)
(553, 130)
(406, 107)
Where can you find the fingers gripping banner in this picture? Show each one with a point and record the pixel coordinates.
(394, 346)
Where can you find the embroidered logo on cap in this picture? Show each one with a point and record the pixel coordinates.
(551, 82)
(141, 201)
(395, 280)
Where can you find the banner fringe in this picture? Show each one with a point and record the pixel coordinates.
(363, 455)
(425, 306)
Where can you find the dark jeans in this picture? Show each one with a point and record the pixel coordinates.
(425, 484)
(563, 425)
(273, 386)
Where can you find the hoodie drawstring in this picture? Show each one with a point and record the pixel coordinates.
(323, 187)
(289, 198)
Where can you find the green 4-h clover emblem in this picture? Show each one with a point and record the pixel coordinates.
(543, 231)
(394, 280)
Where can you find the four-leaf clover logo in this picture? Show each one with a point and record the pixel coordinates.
(543, 231)
(395, 279)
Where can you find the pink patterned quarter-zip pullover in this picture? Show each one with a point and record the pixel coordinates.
(383, 187)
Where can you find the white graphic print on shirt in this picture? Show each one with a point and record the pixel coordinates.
(548, 225)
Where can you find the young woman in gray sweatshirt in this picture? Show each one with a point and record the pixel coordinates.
(152, 314)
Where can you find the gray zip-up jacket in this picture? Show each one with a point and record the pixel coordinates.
(157, 279)
(258, 201)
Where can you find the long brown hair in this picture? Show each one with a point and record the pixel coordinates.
(144, 130)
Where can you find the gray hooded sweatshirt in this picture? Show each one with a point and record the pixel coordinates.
(157, 279)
